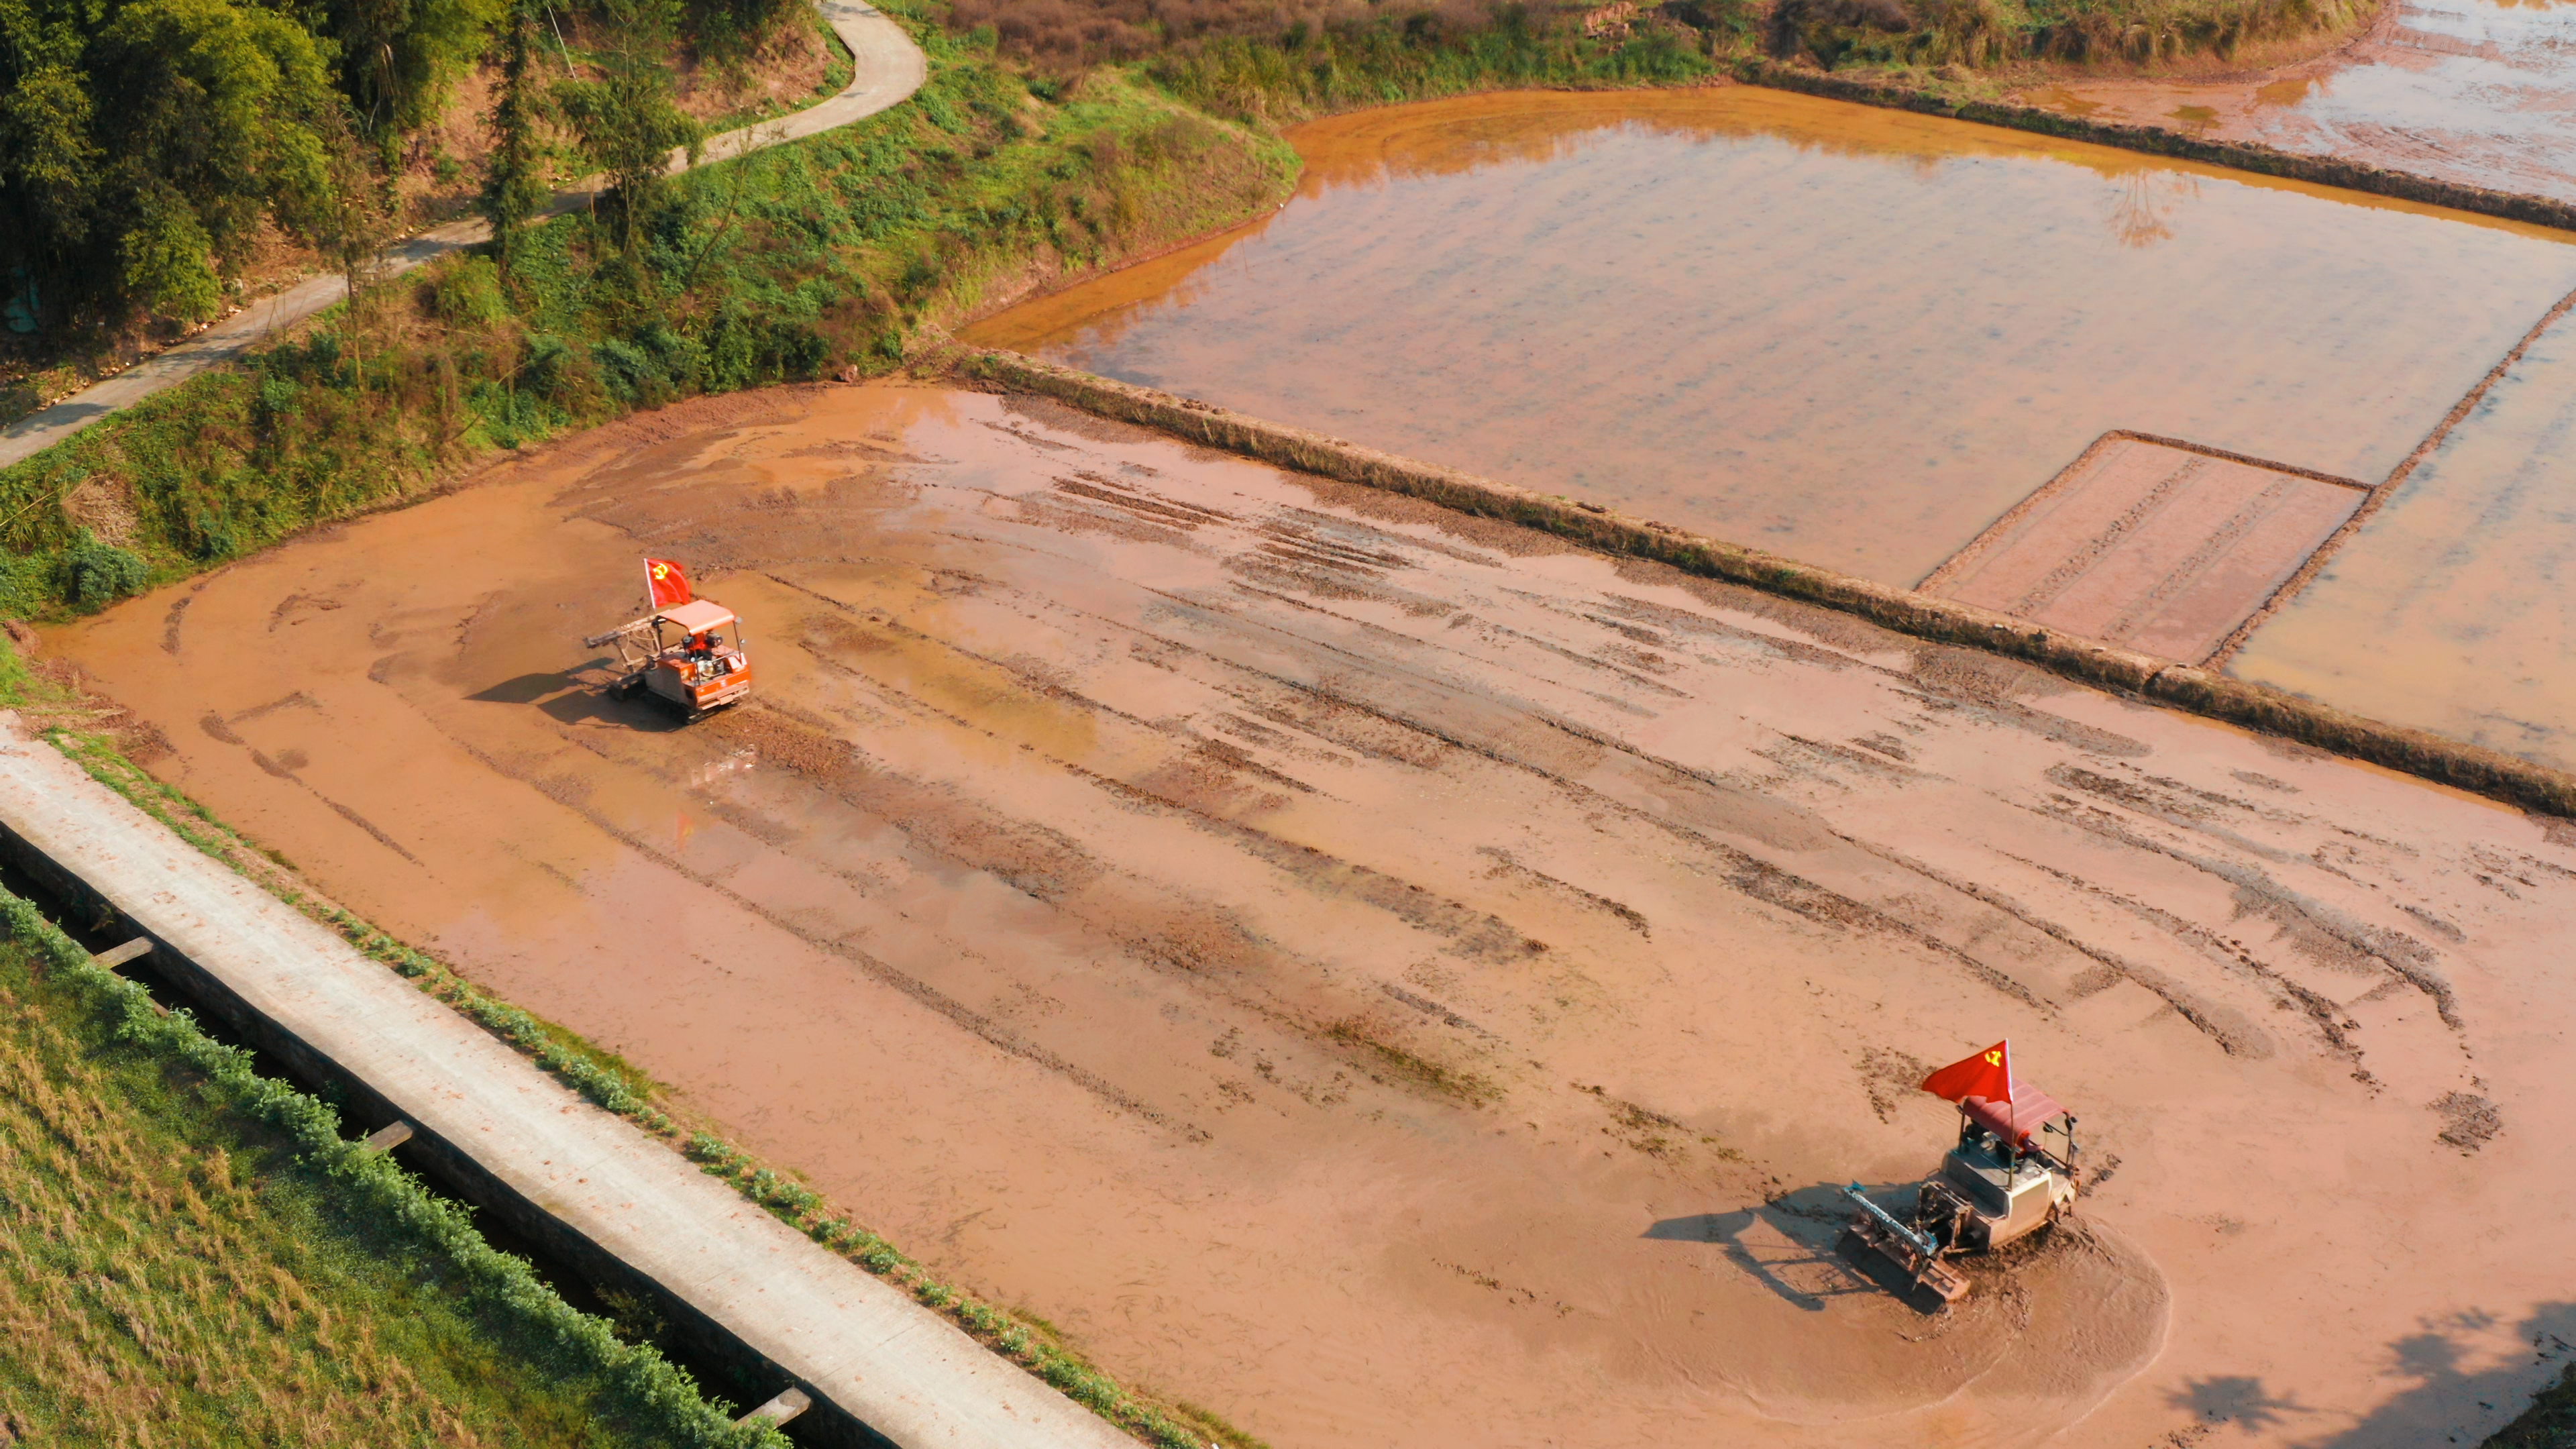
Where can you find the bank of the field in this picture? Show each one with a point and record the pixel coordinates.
(191, 1253)
(1927, 95)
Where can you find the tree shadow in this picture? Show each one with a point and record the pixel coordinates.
(1807, 1242)
(2233, 1399)
(2452, 1404)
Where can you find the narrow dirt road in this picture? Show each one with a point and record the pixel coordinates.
(886, 69)
(1381, 974)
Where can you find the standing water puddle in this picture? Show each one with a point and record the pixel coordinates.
(1850, 335)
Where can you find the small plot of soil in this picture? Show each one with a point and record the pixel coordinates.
(1398, 989)
(2162, 548)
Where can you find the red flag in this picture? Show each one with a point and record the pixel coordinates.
(664, 581)
(1988, 1074)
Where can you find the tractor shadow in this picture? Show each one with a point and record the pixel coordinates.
(1799, 1246)
(579, 696)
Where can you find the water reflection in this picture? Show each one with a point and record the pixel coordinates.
(2143, 206)
(1849, 334)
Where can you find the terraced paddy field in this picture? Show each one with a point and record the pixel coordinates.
(1867, 339)
(1372, 971)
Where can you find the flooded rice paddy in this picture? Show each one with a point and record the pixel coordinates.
(2454, 608)
(2476, 91)
(1374, 971)
(1851, 335)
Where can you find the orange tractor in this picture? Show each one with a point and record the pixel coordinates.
(687, 652)
(2005, 1180)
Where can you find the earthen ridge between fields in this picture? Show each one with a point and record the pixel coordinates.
(2237, 702)
(2247, 156)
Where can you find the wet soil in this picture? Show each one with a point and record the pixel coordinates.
(2156, 547)
(2474, 91)
(1374, 972)
(1852, 335)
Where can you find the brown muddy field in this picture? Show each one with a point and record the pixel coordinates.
(1397, 981)
(2476, 91)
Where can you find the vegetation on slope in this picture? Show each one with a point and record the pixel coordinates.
(1334, 50)
(2550, 1422)
(836, 253)
(162, 160)
(190, 1254)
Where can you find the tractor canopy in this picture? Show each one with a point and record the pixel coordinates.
(695, 617)
(2014, 1122)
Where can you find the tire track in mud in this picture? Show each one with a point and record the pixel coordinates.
(2328, 1017)
(2405, 958)
(2226, 1028)
(218, 730)
(1742, 871)
(1479, 935)
(1198, 940)
(949, 1007)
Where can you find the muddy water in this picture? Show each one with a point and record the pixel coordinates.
(2479, 91)
(1847, 334)
(2454, 607)
(1399, 982)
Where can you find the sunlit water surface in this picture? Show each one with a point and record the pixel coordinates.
(1851, 335)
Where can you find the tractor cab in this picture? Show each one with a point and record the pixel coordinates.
(689, 654)
(2012, 1172)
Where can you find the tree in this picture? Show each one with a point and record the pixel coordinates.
(626, 119)
(49, 171)
(357, 219)
(397, 57)
(145, 145)
(142, 145)
(514, 186)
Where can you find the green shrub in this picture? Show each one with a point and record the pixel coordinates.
(98, 574)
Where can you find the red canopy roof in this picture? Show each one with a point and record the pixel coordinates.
(2017, 1120)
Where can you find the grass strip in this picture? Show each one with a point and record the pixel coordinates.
(176, 1293)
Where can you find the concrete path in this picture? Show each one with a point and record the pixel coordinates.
(866, 1347)
(887, 67)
